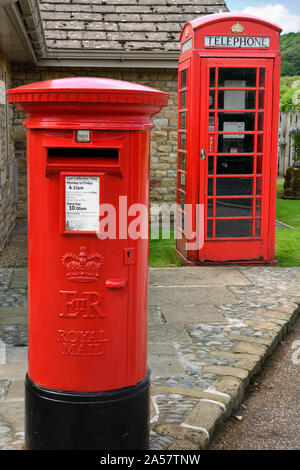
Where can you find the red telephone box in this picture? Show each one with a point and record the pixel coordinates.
(88, 146)
(228, 101)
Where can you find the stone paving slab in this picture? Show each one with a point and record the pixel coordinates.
(18, 278)
(166, 334)
(194, 296)
(162, 357)
(13, 315)
(197, 276)
(204, 346)
(172, 314)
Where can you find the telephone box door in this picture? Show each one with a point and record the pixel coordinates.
(235, 139)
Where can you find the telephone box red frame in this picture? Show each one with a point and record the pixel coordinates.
(199, 175)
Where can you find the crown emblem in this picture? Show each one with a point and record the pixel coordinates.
(82, 267)
(237, 28)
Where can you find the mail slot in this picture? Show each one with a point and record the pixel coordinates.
(88, 140)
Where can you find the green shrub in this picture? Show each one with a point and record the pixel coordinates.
(289, 94)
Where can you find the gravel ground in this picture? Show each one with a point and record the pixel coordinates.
(269, 418)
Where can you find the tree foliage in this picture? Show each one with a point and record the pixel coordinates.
(290, 54)
(289, 94)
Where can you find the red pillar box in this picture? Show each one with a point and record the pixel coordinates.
(229, 76)
(88, 140)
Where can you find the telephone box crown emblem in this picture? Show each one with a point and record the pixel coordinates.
(82, 267)
(237, 28)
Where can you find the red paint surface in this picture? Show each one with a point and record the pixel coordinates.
(196, 63)
(87, 297)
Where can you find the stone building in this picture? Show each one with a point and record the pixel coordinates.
(133, 40)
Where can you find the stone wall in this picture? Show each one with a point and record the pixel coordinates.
(164, 135)
(7, 161)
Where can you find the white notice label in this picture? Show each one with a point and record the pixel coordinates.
(82, 203)
(234, 127)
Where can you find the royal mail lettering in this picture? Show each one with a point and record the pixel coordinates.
(80, 304)
(81, 342)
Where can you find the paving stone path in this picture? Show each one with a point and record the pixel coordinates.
(210, 329)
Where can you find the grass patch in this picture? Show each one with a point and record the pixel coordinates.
(162, 251)
(287, 241)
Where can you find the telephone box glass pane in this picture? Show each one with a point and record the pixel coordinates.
(236, 99)
(209, 207)
(260, 121)
(261, 97)
(211, 99)
(182, 181)
(257, 228)
(238, 143)
(236, 122)
(234, 186)
(211, 122)
(261, 78)
(183, 79)
(258, 186)
(212, 75)
(234, 228)
(259, 165)
(181, 199)
(237, 77)
(260, 142)
(182, 220)
(210, 187)
(210, 165)
(235, 165)
(183, 99)
(258, 208)
(182, 142)
(234, 207)
(182, 161)
(209, 229)
(183, 120)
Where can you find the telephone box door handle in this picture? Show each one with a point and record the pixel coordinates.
(202, 154)
(116, 283)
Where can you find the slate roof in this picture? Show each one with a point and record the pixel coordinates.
(120, 25)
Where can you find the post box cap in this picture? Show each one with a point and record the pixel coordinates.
(87, 89)
(87, 101)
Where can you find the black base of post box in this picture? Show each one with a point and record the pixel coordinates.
(111, 420)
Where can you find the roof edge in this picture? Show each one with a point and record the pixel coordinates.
(16, 19)
(96, 58)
